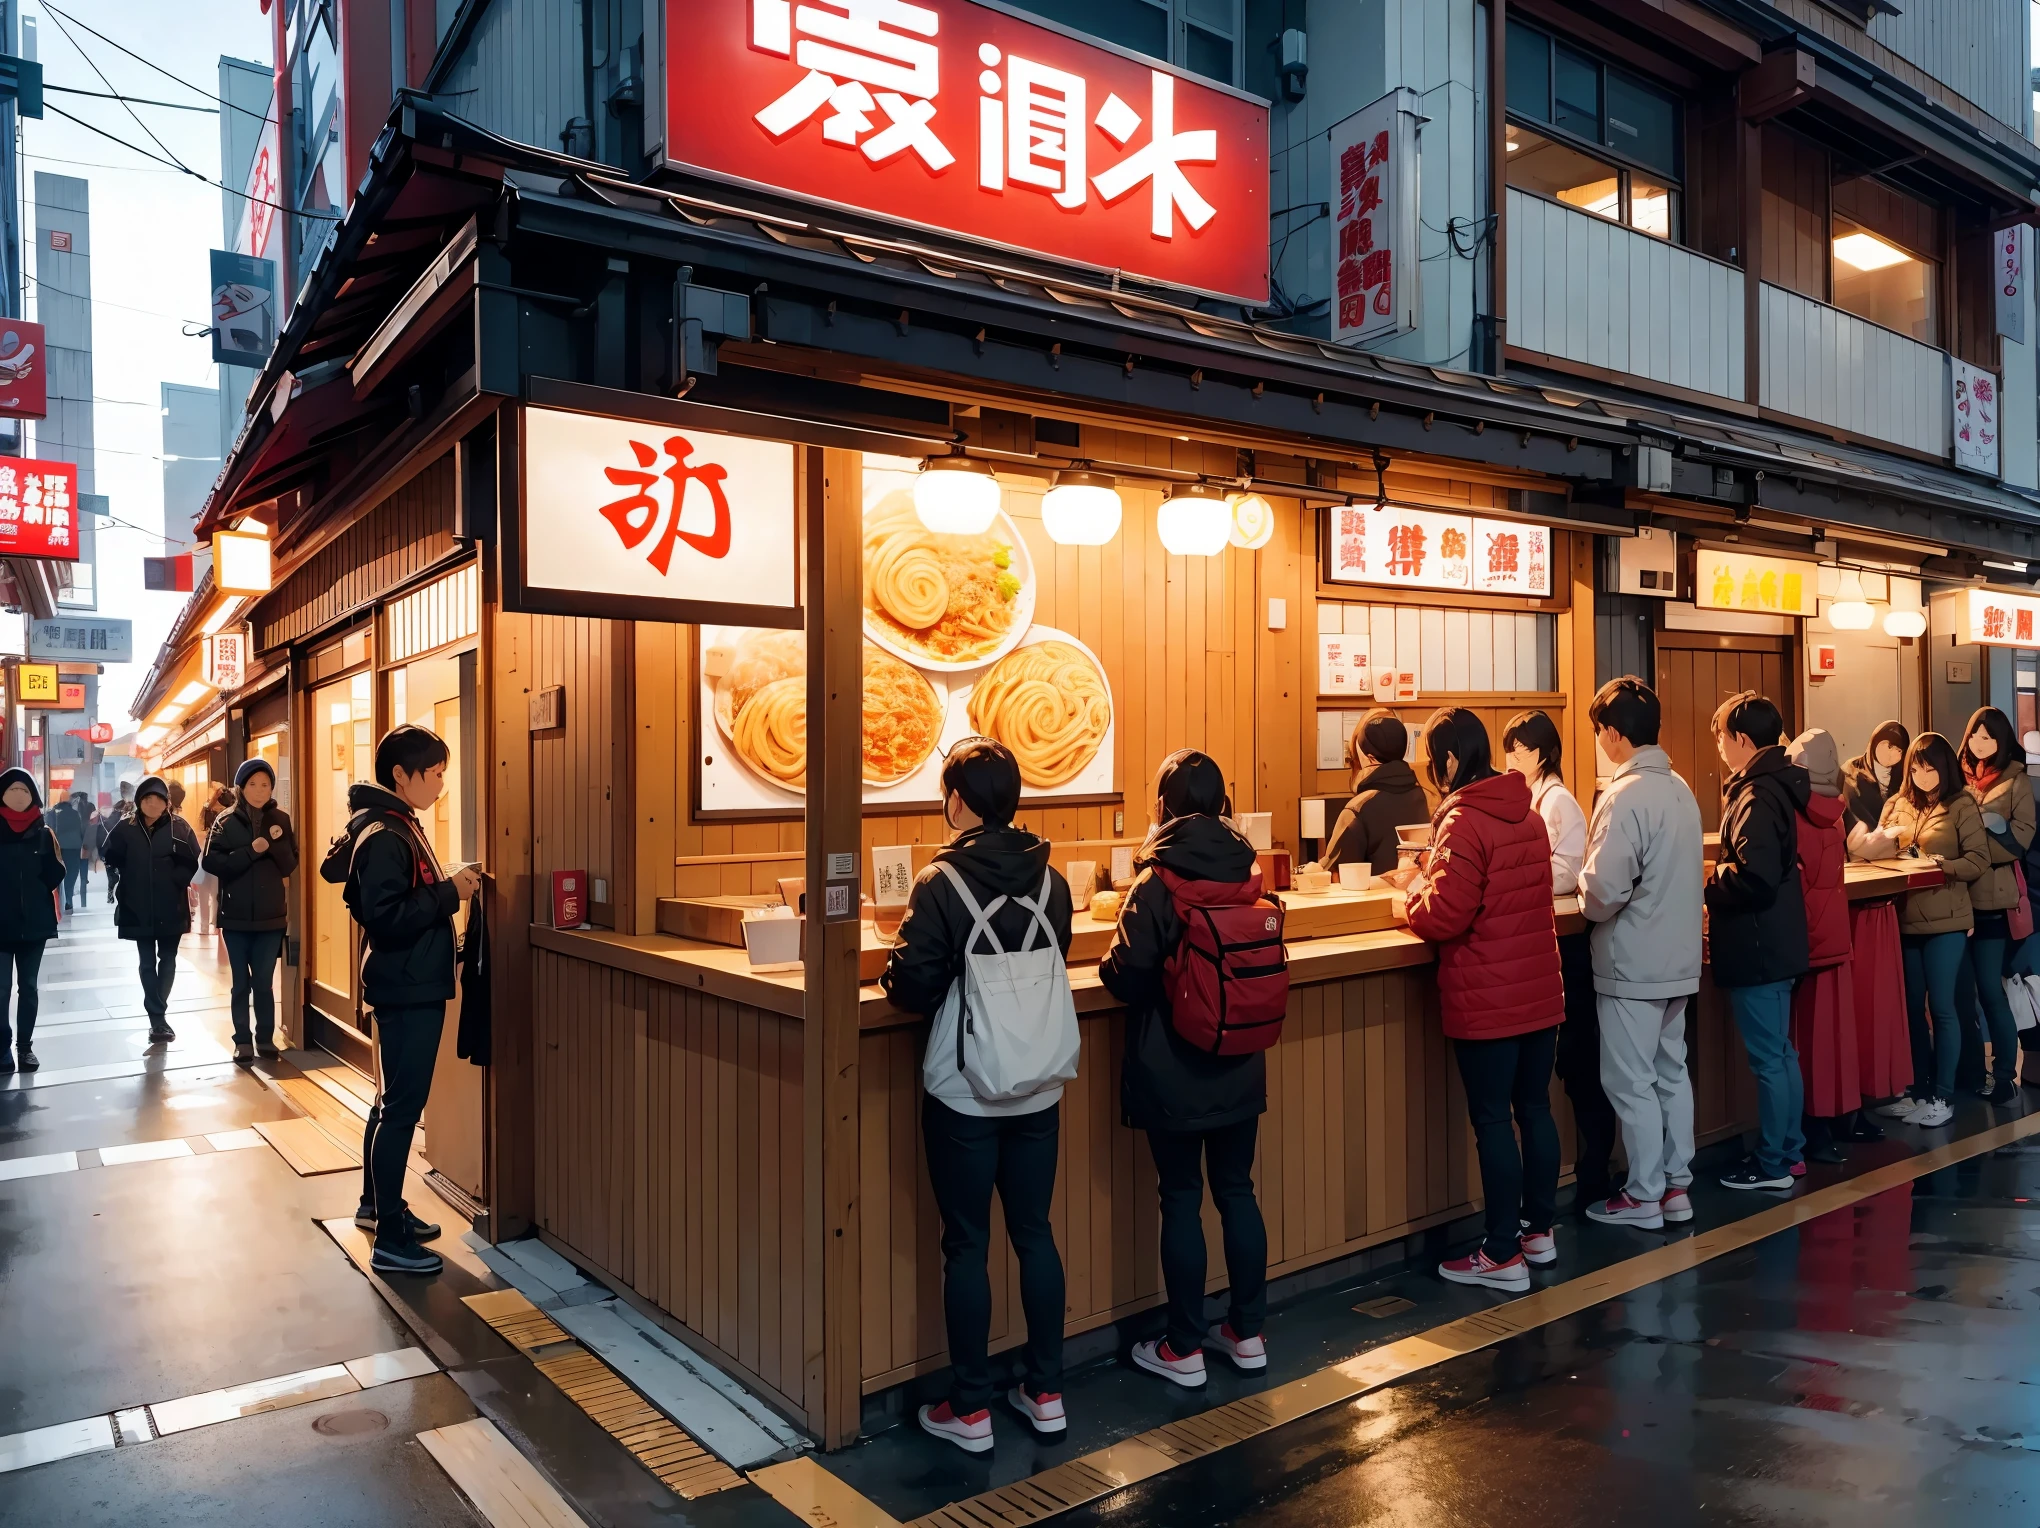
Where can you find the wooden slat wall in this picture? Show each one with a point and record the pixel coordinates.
(1834, 368)
(1794, 244)
(574, 776)
(1694, 680)
(402, 536)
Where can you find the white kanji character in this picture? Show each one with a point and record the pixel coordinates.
(60, 535)
(846, 47)
(1036, 136)
(32, 510)
(9, 483)
(1161, 161)
(57, 492)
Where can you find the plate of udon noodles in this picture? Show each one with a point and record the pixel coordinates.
(946, 603)
(1048, 700)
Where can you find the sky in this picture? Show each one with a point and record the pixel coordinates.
(152, 228)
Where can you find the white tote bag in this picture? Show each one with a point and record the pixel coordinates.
(1015, 1021)
(2023, 993)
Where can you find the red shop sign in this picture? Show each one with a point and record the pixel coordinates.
(952, 115)
(24, 370)
(38, 508)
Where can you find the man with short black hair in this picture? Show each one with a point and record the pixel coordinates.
(1386, 795)
(1757, 924)
(405, 902)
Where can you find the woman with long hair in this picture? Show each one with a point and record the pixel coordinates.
(1482, 893)
(31, 869)
(1933, 816)
(1883, 1033)
(1870, 778)
(1994, 767)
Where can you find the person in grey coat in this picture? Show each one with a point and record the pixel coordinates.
(1641, 889)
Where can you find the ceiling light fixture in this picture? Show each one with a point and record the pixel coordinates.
(1194, 520)
(1867, 252)
(1905, 618)
(1850, 611)
(956, 495)
(1083, 508)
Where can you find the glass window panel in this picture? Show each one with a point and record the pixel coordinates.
(1550, 168)
(1576, 93)
(1218, 15)
(1653, 206)
(1643, 123)
(1139, 24)
(1529, 72)
(1206, 54)
(1877, 280)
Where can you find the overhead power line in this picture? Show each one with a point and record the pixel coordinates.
(93, 164)
(152, 64)
(110, 95)
(135, 148)
(113, 94)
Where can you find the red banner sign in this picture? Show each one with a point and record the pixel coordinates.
(24, 370)
(38, 508)
(951, 115)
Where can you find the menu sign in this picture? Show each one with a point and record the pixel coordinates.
(1374, 221)
(1425, 549)
(1975, 405)
(1343, 667)
(1991, 619)
(1760, 585)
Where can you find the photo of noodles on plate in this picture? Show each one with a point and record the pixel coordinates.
(947, 600)
(761, 707)
(1048, 703)
(902, 718)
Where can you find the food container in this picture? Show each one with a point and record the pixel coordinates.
(1413, 835)
(1259, 827)
(1083, 878)
(1274, 868)
(1355, 877)
(1313, 881)
(772, 939)
(1105, 906)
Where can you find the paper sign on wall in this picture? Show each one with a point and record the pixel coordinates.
(892, 875)
(1975, 411)
(1408, 548)
(1343, 668)
(1766, 585)
(1374, 221)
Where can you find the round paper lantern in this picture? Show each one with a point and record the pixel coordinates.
(1253, 521)
(1081, 509)
(1194, 520)
(956, 494)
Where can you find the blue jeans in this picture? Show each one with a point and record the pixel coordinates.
(1764, 1016)
(1982, 986)
(1931, 964)
(251, 956)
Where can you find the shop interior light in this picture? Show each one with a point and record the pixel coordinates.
(1253, 521)
(1195, 520)
(1082, 508)
(1905, 618)
(1867, 252)
(1850, 611)
(149, 737)
(957, 495)
(168, 715)
(222, 613)
(193, 692)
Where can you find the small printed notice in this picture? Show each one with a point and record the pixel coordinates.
(1343, 668)
(892, 875)
(1122, 866)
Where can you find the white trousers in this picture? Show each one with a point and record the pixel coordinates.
(1643, 1072)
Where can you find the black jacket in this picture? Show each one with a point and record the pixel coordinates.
(1756, 910)
(156, 866)
(1863, 794)
(68, 823)
(31, 867)
(996, 862)
(1166, 1083)
(251, 885)
(1385, 797)
(400, 897)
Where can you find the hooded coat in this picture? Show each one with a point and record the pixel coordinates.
(156, 863)
(1385, 797)
(251, 885)
(1756, 910)
(400, 896)
(1823, 850)
(31, 867)
(1640, 885)
(1485, 901)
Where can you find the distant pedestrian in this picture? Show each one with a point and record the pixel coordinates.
(67, 821)
(206, 885)
(405, 902)
(250, 852)
(31, 869)
(157, 854)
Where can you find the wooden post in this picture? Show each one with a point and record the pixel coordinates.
(835, 710)
(1498, 175)
(1576, 666)
(623, 784)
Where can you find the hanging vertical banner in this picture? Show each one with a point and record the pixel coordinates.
(2008, 257)
(24, 370)
(1975, 412)
(1374, 221)
(243, 309)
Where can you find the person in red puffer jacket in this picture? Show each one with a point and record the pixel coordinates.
(1823, 1001)
(1482, 894)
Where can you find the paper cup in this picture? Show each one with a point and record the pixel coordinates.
(1354, 877)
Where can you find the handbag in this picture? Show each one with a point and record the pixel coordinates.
(2023, 993)
(2019, 917)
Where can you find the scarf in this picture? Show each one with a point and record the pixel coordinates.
(1983, 778)
(20, 822)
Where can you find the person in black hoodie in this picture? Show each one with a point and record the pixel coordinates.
(31, 869)
(156, 853)
(1757, 924)
(250, 852)
(405, 902)
(973, 1144)
(1202, 1113)
(1386, 795)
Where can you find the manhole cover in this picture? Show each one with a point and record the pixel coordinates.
(350, 1424)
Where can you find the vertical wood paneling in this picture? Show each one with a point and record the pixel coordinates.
(1833, 368)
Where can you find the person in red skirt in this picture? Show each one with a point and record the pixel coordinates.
(1877, 969)
(1823, 1003)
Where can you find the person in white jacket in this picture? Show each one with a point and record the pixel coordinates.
(1641, 889)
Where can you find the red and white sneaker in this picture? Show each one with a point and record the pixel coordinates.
(972, 1434)
(1621, 1210)
(1677, 1205)
(1044, 1412)
(1156, 1358)
(1539, 1248)
(1243, 1352)
(1479, 1268)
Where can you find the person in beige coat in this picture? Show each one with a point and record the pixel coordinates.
(1994, 767)
(1933, 816)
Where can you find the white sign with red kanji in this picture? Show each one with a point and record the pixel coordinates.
(623, 510)
(1425, 549)
(1374, 221)
(1975, 411)
(2008, 256)
(1343, 668)
(1991, 619)
(38, 508)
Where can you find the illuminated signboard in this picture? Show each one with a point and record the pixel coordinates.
(1991, 619)
(1405, 548)
(1756, 584)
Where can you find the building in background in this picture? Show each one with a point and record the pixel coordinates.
(63, 304)
(192, 447)
(248, 164)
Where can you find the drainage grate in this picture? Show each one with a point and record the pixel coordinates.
(1386, 1306)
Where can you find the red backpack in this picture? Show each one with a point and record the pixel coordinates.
(1228, 979)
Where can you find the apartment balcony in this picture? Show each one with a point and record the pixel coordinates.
(1820, 364)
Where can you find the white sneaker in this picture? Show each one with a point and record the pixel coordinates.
(1677, 1205)
(1043, 1412)
(1621, 1210)
(1899, 1108)
(1931, 1115)
(1156, 1358)
(1244, 1352)
(972, 1434)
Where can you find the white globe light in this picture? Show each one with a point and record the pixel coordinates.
(1082, 509)
(1253, 521)
(1850, 611)
(1194, 521)
(1905, 623)
(957, 495)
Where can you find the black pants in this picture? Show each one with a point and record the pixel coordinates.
(159, 973)
(74, 875)
(408, 1041)
(20, 963)
(1579, 1068)
(251, 955)
(1183, 1159)
(1504, 1076)
(969, 1156)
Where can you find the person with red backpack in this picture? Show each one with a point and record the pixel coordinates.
(1482, 894)
(1198, 960)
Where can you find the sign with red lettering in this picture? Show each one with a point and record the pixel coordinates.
(1975, 405)
(100, 733)
(1424, 549)
(1991, 619)
(1374, 221)
(38, 508)
(951, 115)
(635, 519)
(24, 370)
(569, 898)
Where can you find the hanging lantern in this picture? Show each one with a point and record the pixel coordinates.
(1850, 610)
(1905, 618)
(1195, 520)
(1253, 521)
(956, 494)
(1081, 509)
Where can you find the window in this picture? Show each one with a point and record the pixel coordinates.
(1202, 36)
(1603, 141)
(1876, 279)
